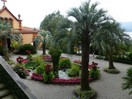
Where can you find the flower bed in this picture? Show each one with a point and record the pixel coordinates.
(68, 81)
(47, 58)
(37, 77)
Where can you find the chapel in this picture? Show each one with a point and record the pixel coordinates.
(28, 33)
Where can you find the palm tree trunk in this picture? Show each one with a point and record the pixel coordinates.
(111, 65)
(43, 47)
(85, 62)
(5, 47)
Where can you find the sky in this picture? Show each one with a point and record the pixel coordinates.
(33, 11)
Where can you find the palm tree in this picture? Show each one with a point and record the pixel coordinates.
(5, 30)
(66, 36)
(88, 19)
(109, 39)
(42, 37)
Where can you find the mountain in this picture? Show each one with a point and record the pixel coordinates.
(127, 26)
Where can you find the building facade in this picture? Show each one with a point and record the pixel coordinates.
(28, 33)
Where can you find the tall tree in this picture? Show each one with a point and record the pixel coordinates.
(43, 37)
(109, 40)
(88, 19)
(5, 30)
(50, 22)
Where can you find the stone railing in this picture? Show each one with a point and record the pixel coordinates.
(13, 81)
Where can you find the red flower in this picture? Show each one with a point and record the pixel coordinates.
(48, 68)
(19, 59)
(28, 51)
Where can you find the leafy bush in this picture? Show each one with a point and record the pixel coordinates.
(94, 73)
(48, 77)
(55, 55)
(26, 47)
(40, 69)
(130, 55)
(14, 45)
(20, 71)
(112, 71)
(38, 60)
(128, 81)
(30, 65)
(64, 63)
(48, 74)
(74, 71)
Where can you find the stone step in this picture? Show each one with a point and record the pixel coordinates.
(4, 93)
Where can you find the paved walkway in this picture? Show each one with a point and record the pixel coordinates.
(108, 87)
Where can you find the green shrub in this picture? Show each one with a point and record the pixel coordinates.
(48, 77)
(94, 73)
(20, 71)
(64, 63)
(55, 55)
(112, 71)
(74, 71)
(128, 81)
(30, 65)
(14, 45)
(26, 47)
(40, 69)
(38, 60)
(130, 55)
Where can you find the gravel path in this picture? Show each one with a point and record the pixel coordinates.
(107, 87)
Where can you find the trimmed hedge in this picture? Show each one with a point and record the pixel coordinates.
(26, 47)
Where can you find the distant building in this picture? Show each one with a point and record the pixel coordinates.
(28, 33)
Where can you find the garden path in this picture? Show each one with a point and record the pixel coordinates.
(107, 87)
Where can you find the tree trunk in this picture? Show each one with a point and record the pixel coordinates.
(85, 62)
(43, 47)
(111, 65)
(5, 47)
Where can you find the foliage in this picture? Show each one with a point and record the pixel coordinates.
(90, 94)
(94, 73)
(14, 45)
(50, 22)
(64, 63)
(40, 69)
(10, 62)
(130, 55)
(48, 77)
(20, 71)
(48, 74)
(112, 71)
(128, 81)
(30, 65)
(74, 71)
(23, 49)
(5, 29)
(88, 20)
(55, 55)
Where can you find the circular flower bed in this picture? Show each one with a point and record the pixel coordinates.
(112, 71)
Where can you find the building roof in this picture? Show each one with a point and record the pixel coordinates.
(6, 9)
(29, 30)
